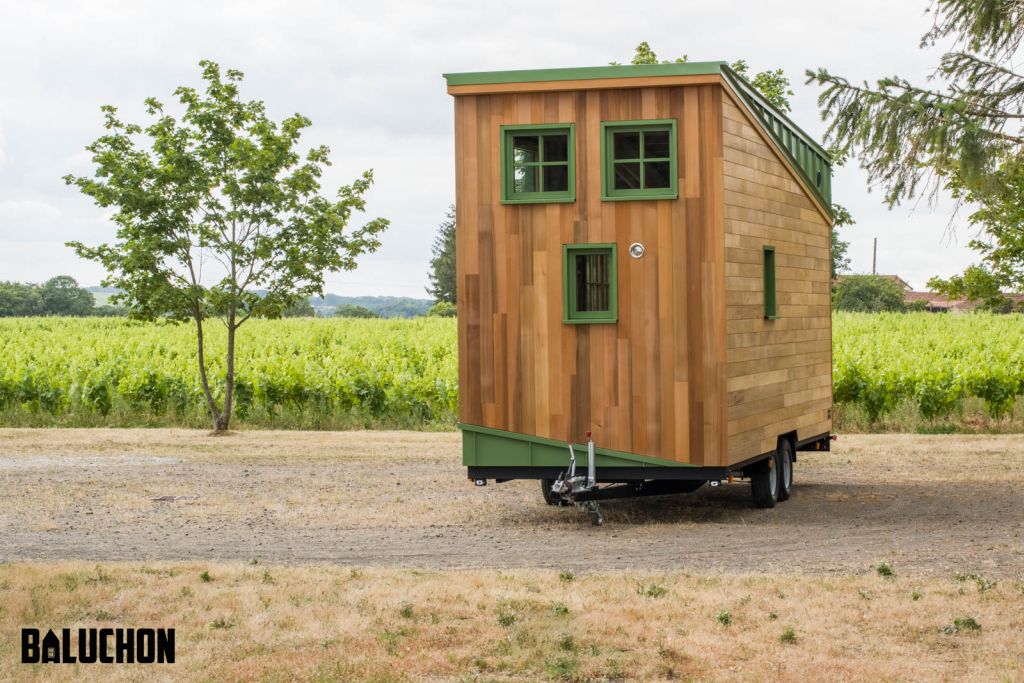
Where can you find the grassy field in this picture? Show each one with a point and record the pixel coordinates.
(271, 623)
(893, 372)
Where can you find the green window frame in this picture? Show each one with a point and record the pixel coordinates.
(544, 163)
(770, 305)
(635, 158)
(590, 289)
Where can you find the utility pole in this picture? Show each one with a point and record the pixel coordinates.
(874, 258)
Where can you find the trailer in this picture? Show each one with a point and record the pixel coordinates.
(643, 282)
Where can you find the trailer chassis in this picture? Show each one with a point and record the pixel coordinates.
(565, 487)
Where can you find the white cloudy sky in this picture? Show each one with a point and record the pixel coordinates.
(369, 76)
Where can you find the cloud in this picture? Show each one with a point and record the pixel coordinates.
(369, 76)
(27, 214)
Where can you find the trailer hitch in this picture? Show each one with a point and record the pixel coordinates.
(572, 487)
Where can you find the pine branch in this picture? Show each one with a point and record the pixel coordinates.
(992, 27)
(903, 132)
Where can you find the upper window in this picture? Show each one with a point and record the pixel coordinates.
(538, 164)
(639, 160)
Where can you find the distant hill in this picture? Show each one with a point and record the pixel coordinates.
(102, 294)
(384, 306)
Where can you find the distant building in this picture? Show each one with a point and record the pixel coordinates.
(898, 280)
(904, 285)
(935, 303)
(939, 303)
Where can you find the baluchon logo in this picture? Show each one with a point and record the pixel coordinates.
(102, 645)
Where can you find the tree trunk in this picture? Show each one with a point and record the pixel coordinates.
(210, 403)
(229, 379)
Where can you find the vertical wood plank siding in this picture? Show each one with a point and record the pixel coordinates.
(779, 371)
(655, 382)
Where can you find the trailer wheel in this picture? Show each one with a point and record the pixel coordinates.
(764, 482)
(550, 497)
(785, 452)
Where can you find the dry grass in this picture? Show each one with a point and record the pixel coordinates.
(338, 623)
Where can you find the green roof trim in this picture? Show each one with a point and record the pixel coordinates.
(806, 155)
(584, 73)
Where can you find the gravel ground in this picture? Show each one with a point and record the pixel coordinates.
(934, 505)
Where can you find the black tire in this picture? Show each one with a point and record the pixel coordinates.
(764, 482)
(786, 471)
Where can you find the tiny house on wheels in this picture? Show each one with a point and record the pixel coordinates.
(643, 281)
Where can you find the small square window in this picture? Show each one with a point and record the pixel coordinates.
(537, 164)
(639, 160)
(590, 289)
(770, 306)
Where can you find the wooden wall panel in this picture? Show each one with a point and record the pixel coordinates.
(779, 372)
(652, 384)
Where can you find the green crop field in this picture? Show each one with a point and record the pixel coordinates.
(296, 373)
(337, 373)
(931, 362)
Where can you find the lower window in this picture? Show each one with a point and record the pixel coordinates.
(590, 291)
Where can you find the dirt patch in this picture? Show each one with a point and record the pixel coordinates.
(932, 505)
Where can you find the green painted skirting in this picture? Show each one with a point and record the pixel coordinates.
(486, 447)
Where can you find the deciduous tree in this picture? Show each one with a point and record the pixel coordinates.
(868, 294)
(61, 295)
(219, 216)
(354, 311)
(978, 285)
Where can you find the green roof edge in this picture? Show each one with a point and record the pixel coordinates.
(581, 73)
(727, 70)
(749, 93)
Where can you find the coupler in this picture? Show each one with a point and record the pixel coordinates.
(570, 487)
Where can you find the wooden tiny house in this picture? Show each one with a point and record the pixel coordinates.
(642, 253)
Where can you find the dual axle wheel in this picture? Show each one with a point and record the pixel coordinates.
(772, 482)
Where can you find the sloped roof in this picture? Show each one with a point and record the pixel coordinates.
(806, 156)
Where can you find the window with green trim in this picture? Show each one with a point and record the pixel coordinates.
(590, 290)
(770, 309)
(538, 164)
(639, 160)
